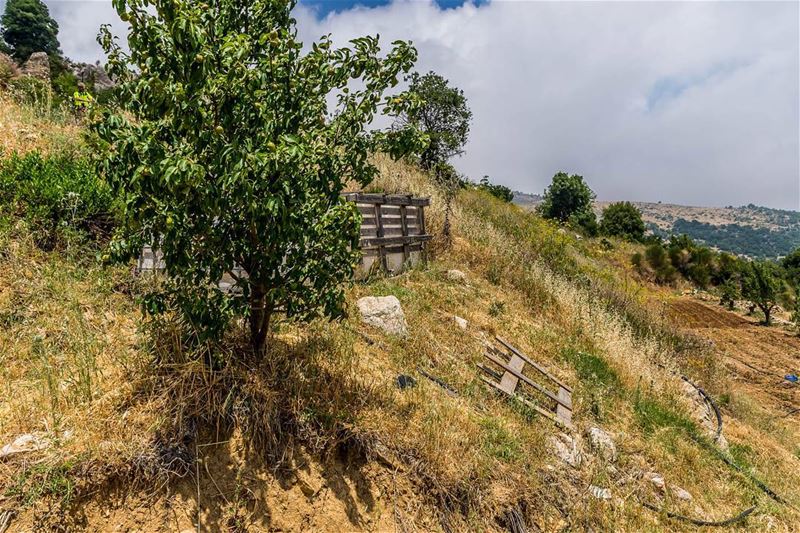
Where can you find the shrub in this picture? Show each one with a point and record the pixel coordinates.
(54, 193)
(230, 154)
(585, 221)
(498, 191)
(624, 220)
(566, 195)
(659, 261)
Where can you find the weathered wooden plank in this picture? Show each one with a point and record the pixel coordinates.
(529, 403)
(404, 231)
(381, 253)
(561, 411)
(567, 403)
(511, 375)
(386, 199)
(534, 365)
(372, 252)
(384, 241)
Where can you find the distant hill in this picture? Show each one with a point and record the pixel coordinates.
(750, 230)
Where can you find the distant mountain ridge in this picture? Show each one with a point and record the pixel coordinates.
(750, 230)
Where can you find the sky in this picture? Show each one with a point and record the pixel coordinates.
(694, 103)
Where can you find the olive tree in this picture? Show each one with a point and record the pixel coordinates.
(443, 116)
(567, 195)
(624, 220)
(761, 285)
(226, 154)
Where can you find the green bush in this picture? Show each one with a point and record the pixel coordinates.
(624, 220)
(55, 193)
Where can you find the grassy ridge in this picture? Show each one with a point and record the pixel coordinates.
(127, 402)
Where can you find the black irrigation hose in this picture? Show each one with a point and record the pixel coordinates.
(709, 401)
(438, 381)
(721, 523)
(727, 460)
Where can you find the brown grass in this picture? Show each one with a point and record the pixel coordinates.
(79, 369)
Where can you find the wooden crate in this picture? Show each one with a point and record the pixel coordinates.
(393, 234)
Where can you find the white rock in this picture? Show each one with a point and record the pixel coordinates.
(601, 493)
(23, 444)
(462, 323)
(656, 479)
(602, 444)
(567, 449)
(456, 275)
(383, 312)
(681, 494)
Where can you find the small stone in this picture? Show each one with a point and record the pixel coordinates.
(601, 443)
(681, 494)
(383, 312)
(656, 479)
(460, 322)
(456, 275)
(567, 449)
(23, 444)
(601, 493)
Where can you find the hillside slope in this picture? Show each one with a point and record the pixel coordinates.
(752, 231)
(136, 434)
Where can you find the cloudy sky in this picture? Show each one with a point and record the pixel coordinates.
(693, 103)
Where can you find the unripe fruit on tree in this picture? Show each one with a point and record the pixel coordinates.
(170, 222)
(271, 145)
(199, 58)
(106, 258)
(219, 130)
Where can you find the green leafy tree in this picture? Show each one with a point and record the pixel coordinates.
(27, 28)
(791, 267)
(585, 221)
(796, 309)
(444, 116)
(729, 293)
(498, 191)
(227, 154)
(762, 286)
(659, 261)
(624, 220)
(567, 194)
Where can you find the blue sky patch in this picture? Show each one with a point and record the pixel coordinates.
(323, 7)
(670, 88)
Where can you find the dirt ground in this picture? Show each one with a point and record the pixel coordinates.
(757, 357)
(237, 491)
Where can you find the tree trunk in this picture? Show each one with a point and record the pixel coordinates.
(260, 313)
(767, 309)
(446, 229)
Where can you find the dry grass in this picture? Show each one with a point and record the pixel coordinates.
(78, 369)
(26, 128)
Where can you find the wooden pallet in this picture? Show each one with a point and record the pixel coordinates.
(510, 380)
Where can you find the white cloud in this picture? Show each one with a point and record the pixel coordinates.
(684, 102)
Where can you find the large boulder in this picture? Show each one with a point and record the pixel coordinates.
(383, 312)
(37, 66)
(92, 75)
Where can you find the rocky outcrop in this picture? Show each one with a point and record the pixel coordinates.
(37, 66)
(383, 312)
(92, 76)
